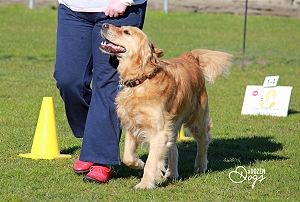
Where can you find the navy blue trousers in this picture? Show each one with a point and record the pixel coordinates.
(87, 80)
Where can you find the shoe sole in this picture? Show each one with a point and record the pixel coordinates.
(82, 172)
(89, 179)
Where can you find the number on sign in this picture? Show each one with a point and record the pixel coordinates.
(271, 81)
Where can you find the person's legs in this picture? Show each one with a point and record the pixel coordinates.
(73, 68)
(91, 113)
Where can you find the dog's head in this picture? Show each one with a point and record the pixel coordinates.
(130, 45)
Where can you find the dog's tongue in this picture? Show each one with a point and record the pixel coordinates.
(111, 48)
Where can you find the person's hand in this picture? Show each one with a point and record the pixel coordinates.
(115, 8)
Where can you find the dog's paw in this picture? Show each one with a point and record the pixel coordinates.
(138, 165)
(200, 169)
(200, 166)
(141, 164)
(142, 185)
(171, 175)
(135, 164)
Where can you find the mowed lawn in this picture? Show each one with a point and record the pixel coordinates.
(268, 145)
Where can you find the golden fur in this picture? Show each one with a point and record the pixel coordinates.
(172, 93)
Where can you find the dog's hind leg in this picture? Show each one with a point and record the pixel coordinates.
(172, 170)
(129, 157)
(201, 133)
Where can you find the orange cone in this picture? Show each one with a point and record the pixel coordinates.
(45, 142)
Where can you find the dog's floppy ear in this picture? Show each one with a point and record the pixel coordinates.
(155, 53)
(158, 52)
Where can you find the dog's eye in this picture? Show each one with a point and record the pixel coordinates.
(126, 32)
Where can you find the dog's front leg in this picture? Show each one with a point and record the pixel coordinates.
(155, 161)
(129, 157)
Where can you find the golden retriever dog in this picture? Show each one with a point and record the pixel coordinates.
(157, 97)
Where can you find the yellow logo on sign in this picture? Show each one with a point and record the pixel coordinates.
(264, 104)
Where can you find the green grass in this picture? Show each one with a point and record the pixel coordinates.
(27, 56)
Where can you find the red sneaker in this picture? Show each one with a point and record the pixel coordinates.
(98, 174)
(81, 167)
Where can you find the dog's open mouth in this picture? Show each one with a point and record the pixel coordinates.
(112, 48)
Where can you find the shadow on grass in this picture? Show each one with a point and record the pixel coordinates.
(223, 154)
(71, 150)
(292, 111)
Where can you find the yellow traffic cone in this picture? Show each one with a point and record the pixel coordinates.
(181, 136)
(45, 142)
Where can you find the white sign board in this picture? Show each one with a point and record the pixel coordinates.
(273, 101)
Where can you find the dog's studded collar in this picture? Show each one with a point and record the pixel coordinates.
(135, 82)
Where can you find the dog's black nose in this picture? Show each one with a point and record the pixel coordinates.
(105, 26)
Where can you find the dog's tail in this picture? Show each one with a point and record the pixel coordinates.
(213, 63)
